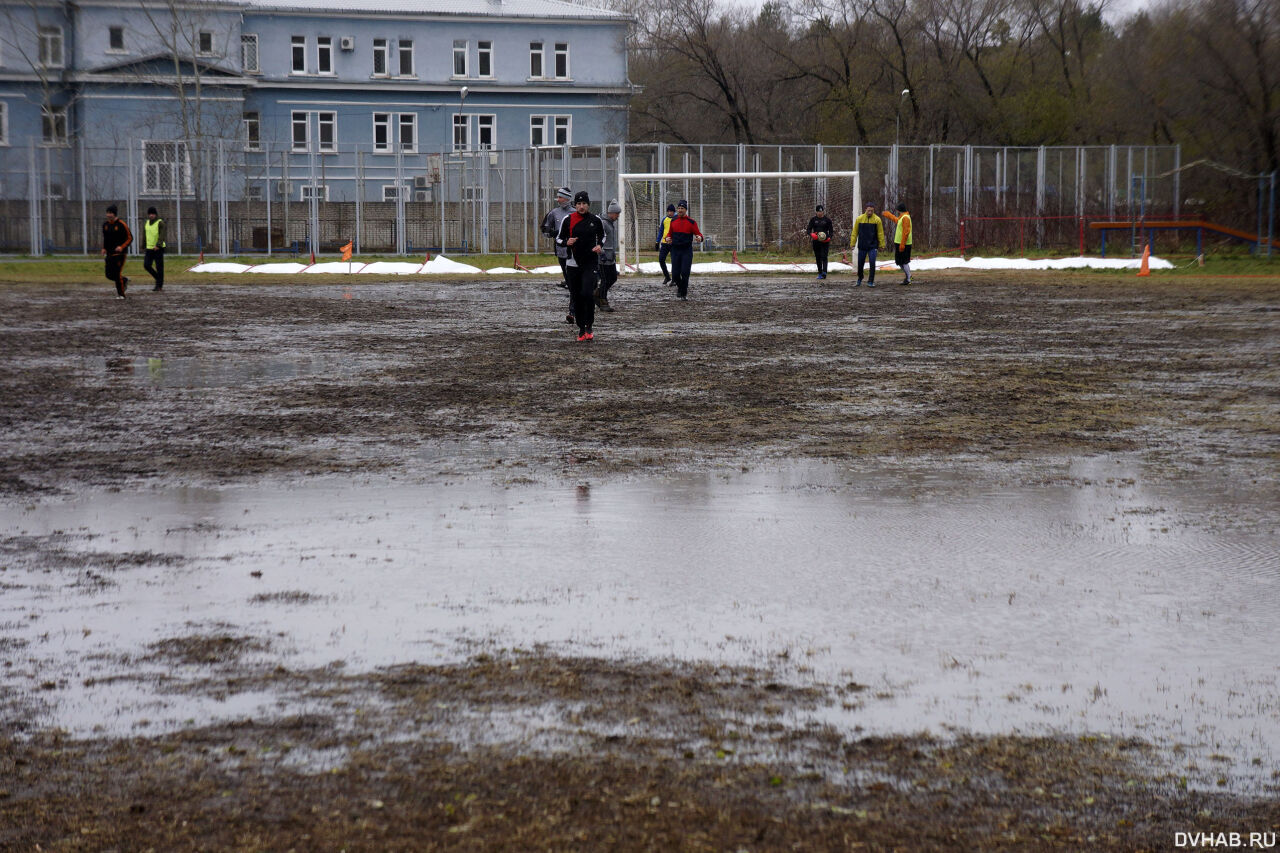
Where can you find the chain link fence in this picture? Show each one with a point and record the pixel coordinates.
(222, 200)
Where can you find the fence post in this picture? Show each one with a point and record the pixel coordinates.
(177, 189)
(84, 201)
(33, 202)
(223, 212)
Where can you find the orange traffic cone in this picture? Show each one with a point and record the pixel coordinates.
(1145, 269)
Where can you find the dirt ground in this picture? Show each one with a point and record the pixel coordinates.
(232, 381)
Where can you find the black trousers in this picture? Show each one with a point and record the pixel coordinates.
(820, 250)
(114, 271)
(865, 255)
(153, 262)
(582, 290)
(608, 278)
(681, 262)
(664, 249)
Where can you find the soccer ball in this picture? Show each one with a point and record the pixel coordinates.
(822, 236)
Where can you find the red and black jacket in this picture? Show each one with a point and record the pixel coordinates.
(116, 237)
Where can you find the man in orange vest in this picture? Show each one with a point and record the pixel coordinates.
(902, 241)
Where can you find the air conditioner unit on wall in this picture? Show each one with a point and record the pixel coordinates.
(347, 43)
(284, 187)
(422, 195)
(421, 181)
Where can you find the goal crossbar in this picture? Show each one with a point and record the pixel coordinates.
(625, 178)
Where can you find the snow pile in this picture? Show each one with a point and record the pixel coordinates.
(440, 264)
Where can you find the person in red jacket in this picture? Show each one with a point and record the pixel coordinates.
(116, 239)
(682, 234)
(582, 236)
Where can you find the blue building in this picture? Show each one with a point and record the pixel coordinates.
(336, 100)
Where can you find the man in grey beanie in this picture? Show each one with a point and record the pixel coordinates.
(551, 227)
(608, 254)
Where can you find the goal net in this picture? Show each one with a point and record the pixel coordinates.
(738, 211)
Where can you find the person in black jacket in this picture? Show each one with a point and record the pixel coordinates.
(582, 234)
(821, 229)
(116, 239)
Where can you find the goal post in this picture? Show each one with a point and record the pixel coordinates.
(736, 210)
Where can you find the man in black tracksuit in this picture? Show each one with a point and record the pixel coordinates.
(116, 239)
(820, 232)
(582, 234)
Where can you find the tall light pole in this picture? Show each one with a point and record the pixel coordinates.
(897, 117)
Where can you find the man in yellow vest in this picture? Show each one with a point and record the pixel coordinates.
(663, 243)
(902, 240)
(153, 234)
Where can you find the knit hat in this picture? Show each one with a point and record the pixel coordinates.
(151, 210)
(671, 208)
(682, 203)
(564, 192)
(902, 208)
(613, 206)
(582, 196)
(111, 208)
(819, 208)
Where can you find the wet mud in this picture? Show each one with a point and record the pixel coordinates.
(996, 380)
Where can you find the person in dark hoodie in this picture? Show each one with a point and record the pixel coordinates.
(821, 230)
(582, 235)
(116, 239)
(683, 233)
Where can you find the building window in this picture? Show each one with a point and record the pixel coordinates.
(391, 192)
(324, 55)
(249, 53)
(252, 132)
(459, 59)
(162, 165)
(299, 48)
(535, 60)
(473, 193)
(461, 132)
(319, 191)
(486, 131)
(409, 132)
(4, 123)
(53, 125)
(204, 43)
(327, 125)
(382, 132)
(301, 131)
(560, 134)
(484, 59)
(562, 61)
(405, 49)
(115, 39)
(380, 58)
(537, 131)
(253, 192)
(50, 55)
(549, 130)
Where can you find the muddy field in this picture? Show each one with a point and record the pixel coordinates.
(957, 383)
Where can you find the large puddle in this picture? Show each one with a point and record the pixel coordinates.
(1092, 604)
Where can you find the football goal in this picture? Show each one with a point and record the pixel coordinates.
(739, 211)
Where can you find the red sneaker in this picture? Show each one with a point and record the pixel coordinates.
(583, 337)
(590, 336)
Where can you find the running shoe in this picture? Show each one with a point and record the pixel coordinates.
(583, 337)
(590, 336)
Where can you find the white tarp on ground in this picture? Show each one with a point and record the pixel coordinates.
(441, 264)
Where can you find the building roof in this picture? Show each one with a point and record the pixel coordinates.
(452, 8)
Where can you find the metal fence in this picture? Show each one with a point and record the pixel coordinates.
(223, 200)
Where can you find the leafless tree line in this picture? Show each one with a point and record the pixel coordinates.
(1201, 73)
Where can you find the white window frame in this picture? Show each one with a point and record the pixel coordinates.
(50, 119)
(324, 117)
(484, 56)
(486, 122)
(4, 124)
(111, 32)
(409, 120)
(254, 67)
(213, 44)
(555, 62)
(151, 184)
(405, 47)
(296, 118)
(386, 121)
(550, 126)
(252, 118)
(51, 41)
(472, 192)
(461, 122)
(461, 50)
(390, 192)
(306, 191)
(383, 47)
(324, 55)
(541, 54)
(297, 43)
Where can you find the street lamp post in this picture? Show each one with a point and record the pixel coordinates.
(897, 130)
